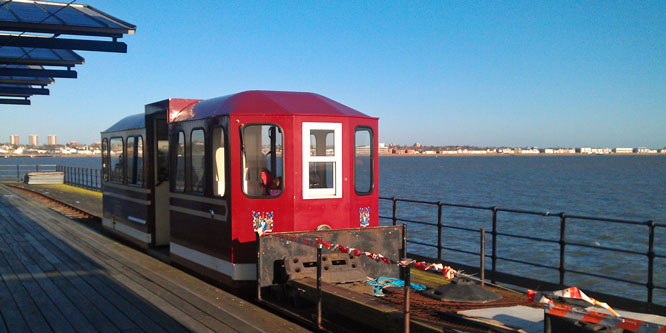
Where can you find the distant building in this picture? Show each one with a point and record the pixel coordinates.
(33, 140)
(584, 150)
(73, 144)
(601, 150)
(644, 150)
(382, 149)
(52, 140)
(417, 145)
(564, 151)
(14, 140)
(623, 150)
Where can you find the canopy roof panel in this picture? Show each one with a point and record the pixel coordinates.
(39, 56)
(30, 39)
(61, 18)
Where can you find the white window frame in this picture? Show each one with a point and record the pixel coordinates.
(322, 193)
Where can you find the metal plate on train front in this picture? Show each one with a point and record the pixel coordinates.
(277, 255)
(335, 267)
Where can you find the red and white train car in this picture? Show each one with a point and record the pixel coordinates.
(264, 161)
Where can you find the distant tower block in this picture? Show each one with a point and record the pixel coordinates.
(33, 140)
(14, 140)
(53, 140)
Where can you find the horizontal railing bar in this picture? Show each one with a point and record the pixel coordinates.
(520, 211)
(460, 228)
(605, 277)
(466, 206)
(528, 263)
(510, 210)
(417, 201)
(435, 203)
(417, 222)
(529, 237)
(604, 219)
(606, 248)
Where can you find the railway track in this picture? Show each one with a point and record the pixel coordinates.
(74, 213)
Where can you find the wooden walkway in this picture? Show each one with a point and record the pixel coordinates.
(57, 275)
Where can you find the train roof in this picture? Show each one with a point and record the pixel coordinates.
(130, 122)
(264, 102)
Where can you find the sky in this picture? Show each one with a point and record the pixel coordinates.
(521, 74)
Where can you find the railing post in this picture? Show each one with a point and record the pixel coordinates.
(650, 255)
(319, 294)
(439, 230)
(494, 255)
(482, 253)
(563, 243)
(395, 211)
(96, 179)
(408, 281)
(36, 167)
(18, 177)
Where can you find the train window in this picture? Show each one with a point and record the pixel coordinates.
(322, 160)
(363, 161)
(262, 159)
(218, 161)
(117, 162)
(179, 185)
(105, 163)
(139, 160)
(198, 160)
(135, 160)
(131, 160)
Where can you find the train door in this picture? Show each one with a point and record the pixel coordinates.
(161, 181)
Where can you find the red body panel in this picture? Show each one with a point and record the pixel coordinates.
(291, 212)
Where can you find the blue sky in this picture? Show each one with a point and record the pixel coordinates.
(440, 73)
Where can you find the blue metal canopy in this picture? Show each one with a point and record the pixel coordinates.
(30, 39)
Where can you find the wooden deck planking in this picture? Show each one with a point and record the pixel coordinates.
(48, 263)
(137, 312)
(112, 287)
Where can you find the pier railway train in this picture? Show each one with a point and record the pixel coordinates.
(199, 178)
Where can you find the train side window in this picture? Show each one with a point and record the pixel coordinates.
(179, 185)
(322, 160)
(117, 162)
(363, 161)
(105, 163)
(262, 159)
(218, 161)
(139, 160)
(198, 160)
(135, 160)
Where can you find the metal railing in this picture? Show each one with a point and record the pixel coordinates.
(16, 172)
(87, 178)
(562, 219)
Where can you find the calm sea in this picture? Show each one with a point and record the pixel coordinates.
(624, 187)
